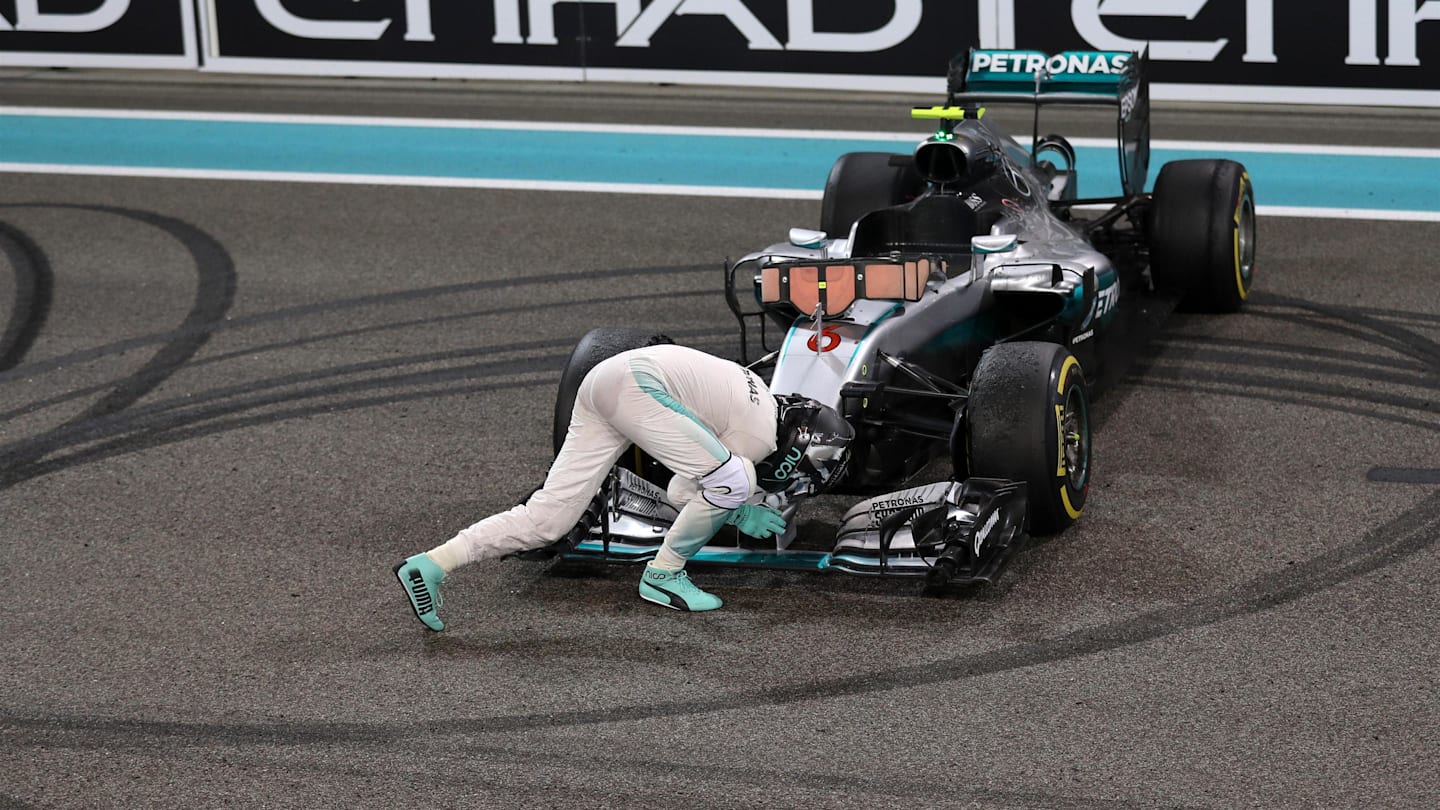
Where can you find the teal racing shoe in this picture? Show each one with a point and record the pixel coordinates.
(673, 589)
(421, 578)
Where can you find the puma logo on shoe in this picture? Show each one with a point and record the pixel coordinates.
(674, 590)
(671, 600)
(423, 603)
(421, 580)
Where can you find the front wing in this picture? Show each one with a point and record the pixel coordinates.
(947, 532)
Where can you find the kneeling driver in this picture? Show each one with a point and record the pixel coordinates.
(711, 422)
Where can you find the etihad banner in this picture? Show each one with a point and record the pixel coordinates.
(1351, 51)
(98, 33)
(1323, 51)
(756, 42)
(1317, 51)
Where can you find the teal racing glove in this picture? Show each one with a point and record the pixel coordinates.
(757, 521)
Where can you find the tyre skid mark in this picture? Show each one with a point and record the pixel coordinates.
(1236, 358)
(1424, 366)
(214, 294)
(34, 289)
(21, 460)
(1404, 475)
(1250, 382)
(1341, 320)
(324, 308)
(250, 352)
(1413, 531)
(568, 775)
(1287, 352)
(188, 418)
(1421, 319)
(1397, 347)
(185, 427)
(1185, 383)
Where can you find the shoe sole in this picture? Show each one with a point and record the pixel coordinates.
(409, 598)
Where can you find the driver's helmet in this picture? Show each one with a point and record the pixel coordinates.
(958, 159)
(812, 446)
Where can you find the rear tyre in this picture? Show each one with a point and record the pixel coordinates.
(1201, 230)
(1028, 420)
(597, 345)
(861, 182)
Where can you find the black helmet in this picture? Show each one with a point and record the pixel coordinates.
(957, 159)
(812, 445)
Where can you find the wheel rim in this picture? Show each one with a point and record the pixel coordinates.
(1075, 436)
(1245, 237)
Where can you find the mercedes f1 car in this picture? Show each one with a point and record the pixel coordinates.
(963, 301)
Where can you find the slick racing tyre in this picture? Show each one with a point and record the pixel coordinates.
(596, 345)
(1028, 419)
(861, 182)
(1201, 229)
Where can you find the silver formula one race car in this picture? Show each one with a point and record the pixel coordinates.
(962, 302)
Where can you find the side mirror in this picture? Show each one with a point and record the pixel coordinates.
(807, 238)
(982, 246)
(1002, 243)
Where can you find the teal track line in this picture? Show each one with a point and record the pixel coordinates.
(1399, 183)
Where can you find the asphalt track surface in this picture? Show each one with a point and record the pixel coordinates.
(226, 409)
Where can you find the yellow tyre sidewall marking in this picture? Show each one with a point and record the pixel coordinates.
(1072, 511)
(1239, 209)
(1070, 362)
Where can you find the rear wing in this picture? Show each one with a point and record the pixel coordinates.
(1073, 77)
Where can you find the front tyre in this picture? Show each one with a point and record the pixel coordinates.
(1201, 229)
(861, 182)
(1029, 420)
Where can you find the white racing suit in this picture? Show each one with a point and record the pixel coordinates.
(706, 419)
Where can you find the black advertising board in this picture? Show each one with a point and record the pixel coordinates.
(1327, 51)
(1320, 51)
(1221, 48)
(389, 37)
(900, 38)
(98, 33)
(753, 42)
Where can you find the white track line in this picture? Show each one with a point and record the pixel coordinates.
(1348, 213)
(656, 129)
(656, 189)
(414, 180)
(461, 123)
